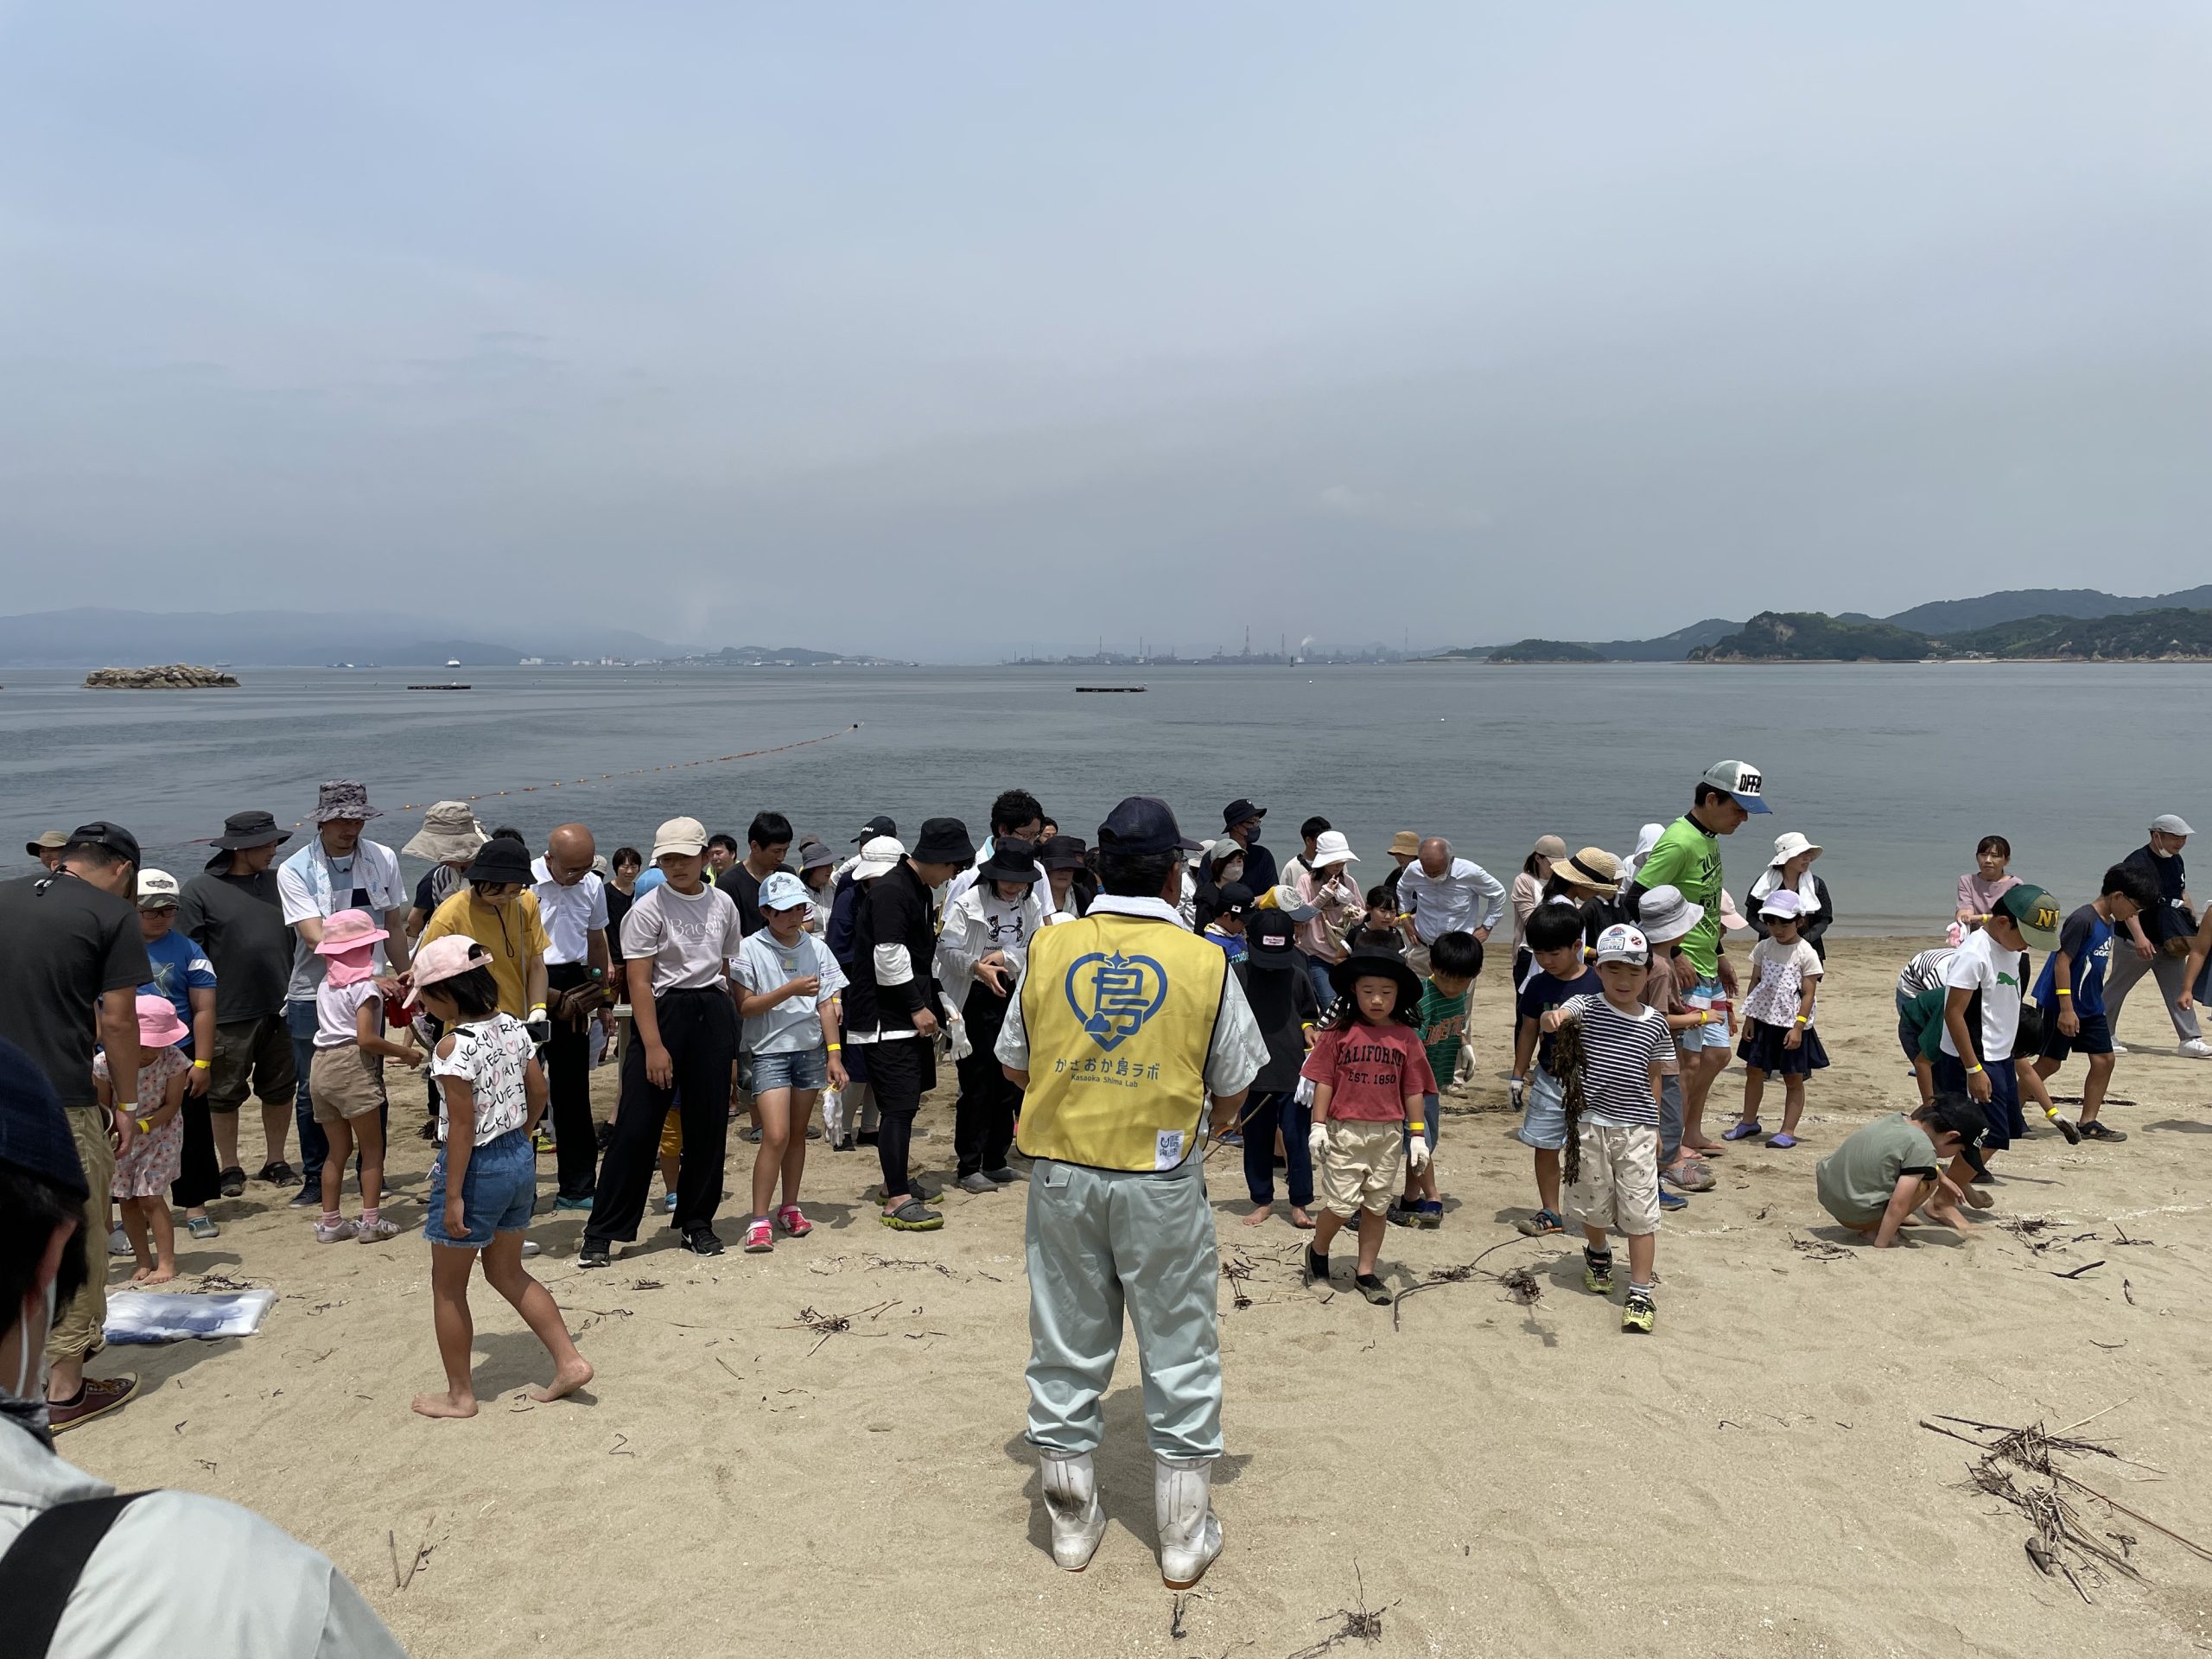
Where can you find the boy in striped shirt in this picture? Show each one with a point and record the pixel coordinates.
(1616, 1133)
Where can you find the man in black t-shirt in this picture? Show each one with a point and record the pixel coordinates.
(767, 841)
(73, 936)
(232, 908)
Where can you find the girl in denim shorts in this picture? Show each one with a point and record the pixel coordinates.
(483, 1181)
(787, 983)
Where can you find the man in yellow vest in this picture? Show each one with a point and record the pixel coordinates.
(1124, 1023)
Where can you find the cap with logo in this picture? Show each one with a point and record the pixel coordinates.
(1741, 780)
(1236, 898)
(157, 890)
(878, 825)
(1286, 900)
(1267, 934)
(2035, 911)
(1239, 810)
(781, 890)
(1621, 943)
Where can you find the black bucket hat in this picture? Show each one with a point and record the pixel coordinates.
(1062, 852)
(943, 841)
(1011, 860)
(501, 860)
(242, 830)
(1239, 810)
(1376, 964)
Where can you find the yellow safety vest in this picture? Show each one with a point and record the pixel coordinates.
(1120, 1013)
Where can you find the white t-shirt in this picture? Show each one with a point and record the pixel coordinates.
(337, 1012)
(763, 964)
(312, 883)
(1982, 964)
(688, 939)
(571, 915)
(1782, 971)
(491, 1056)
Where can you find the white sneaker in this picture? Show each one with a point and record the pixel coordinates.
(2120, 1048)
(1071, 1504)
(1182, 1505)
(334, 1235)
(529, 1248)
(118, 1243)
(375, 1232)
(2196, 1049)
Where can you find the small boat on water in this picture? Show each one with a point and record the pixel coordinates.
(443, 685)
(1103, 689)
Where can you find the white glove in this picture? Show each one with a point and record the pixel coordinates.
(1417, 1152)
(956, 1036)
(1465, 1070)
(1317, 1142)
(1517, 1090)
(1303, 1095)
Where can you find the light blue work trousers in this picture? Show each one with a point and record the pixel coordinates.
(1101, 1241)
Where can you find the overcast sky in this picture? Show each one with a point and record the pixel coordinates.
(941, 330)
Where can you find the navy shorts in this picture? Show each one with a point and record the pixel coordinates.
(1763, 1051)
(499, 1190)
(2003, 1106)
(2094, 1038)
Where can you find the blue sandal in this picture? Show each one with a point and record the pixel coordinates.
(1742, 1131)
(1541, 1225)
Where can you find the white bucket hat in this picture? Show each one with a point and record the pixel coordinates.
(1332, 847)
(1788, 845)
(879, 857)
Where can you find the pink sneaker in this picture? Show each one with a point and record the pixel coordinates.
(759, 1236)
(793, 1222)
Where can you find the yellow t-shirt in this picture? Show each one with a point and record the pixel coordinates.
(513, 936)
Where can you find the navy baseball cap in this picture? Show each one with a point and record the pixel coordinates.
(1142, 825)
(34, 1130)
(880, 824)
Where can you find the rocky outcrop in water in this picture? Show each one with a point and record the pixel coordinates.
(174, 676)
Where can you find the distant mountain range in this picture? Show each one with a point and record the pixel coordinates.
(96, 637)
(2018, 622)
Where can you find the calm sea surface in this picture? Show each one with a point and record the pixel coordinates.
(1895, 771)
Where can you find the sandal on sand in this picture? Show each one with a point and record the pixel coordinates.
(232, 1182)
(277, 1172)
(1373, 1288)
(1741, 1131)
(1691, 1175)
(1542, 1224)
(1781, 1142)
(912, 1217)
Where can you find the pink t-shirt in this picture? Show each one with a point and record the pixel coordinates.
(1370, 1070)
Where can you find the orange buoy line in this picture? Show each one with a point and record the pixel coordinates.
(633, 772)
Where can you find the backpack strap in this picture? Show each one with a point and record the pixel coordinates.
(41, 1569)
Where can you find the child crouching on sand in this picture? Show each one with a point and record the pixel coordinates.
(483, 1181)
(1370, 1077)
(1884, 1173)
(1615, 1055)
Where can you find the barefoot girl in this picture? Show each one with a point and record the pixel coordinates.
(484, 1182)
(146, 1168)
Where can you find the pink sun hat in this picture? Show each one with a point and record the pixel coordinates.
(447, 958)
(349, 930)
(158, 1026)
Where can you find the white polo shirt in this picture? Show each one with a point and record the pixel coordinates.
(571, 915)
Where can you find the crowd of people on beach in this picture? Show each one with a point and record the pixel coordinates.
(803, 992)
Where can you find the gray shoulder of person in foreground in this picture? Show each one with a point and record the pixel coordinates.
(180, 1573)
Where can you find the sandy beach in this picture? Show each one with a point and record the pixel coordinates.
(1754, 1478)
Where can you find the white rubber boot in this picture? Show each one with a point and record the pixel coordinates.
(1182, 1504)
(1072, 1503)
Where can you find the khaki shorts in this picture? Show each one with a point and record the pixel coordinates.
(345, 1082)
(1620, 1179)
(79, 1322)
(1362, 1168)
(253, 1057)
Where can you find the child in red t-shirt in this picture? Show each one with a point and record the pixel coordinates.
(1369, 1073)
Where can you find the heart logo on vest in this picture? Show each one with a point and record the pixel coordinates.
(1113, 996)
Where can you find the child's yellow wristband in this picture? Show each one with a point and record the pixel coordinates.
(836, 1048)
(1971, 1070)
(2063, 991)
